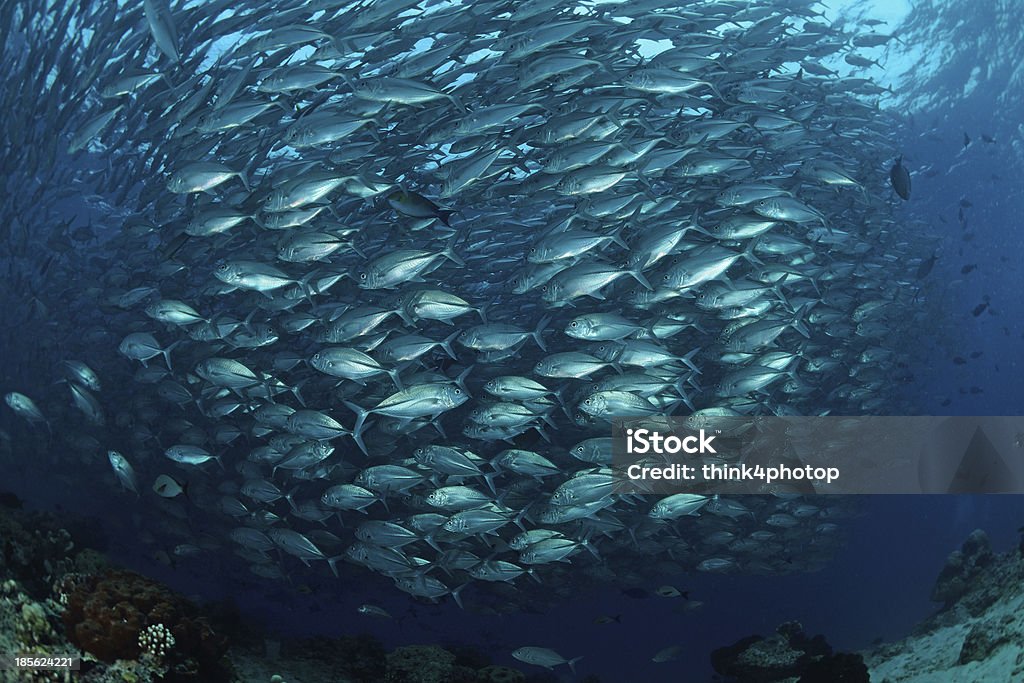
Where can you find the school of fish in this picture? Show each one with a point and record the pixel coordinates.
(361, 285)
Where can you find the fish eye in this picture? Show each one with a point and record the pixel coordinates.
(763, 202)
(665, 277)
(458, 392)
(588, 401)
(574, 324)
(362, 276)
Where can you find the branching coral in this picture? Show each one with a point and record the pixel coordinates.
(156, 640)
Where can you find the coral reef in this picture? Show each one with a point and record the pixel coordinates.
(156, 640)
(500, 674)
(107, 613)
(961, 568)
(787, 655)
(457, 664)
(62, 599)
(34, 550)
(362, 659)
(127, 628)
(977, 635)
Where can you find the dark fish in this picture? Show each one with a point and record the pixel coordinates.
(83, 233)
(967, 140)
(965, 203)
(976, 354)
(899, 177)
(968, 268)
(985, 137)
(977, 390)
(616, 619)
(175, 245)
(959, 360)
(979, 309)
(946, 402)
(926, 266)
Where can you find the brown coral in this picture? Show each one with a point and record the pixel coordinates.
(106, 612)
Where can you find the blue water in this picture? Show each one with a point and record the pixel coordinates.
(878, 585)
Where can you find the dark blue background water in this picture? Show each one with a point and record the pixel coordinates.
(879, 584)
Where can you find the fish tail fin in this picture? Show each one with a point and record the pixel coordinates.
(489, 478)
(357, 431)
(436, 422)
(572, 664)
(776, 288)
(404, 315)
(447, 344)
(538, 333)
(449, 249)
(518, 520)
(340, 47)
(616, 235)
(481, 311)
(748, 253)
(166, 353)
(457, 102)
(687, 360)
(638, 275)
(540, 430)
(429, 540)
(445, 215)
(460, 381)
(245, 175)
(296, 391)
(683, 396)
(799, 322)
(396, 378)
(457, 598)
